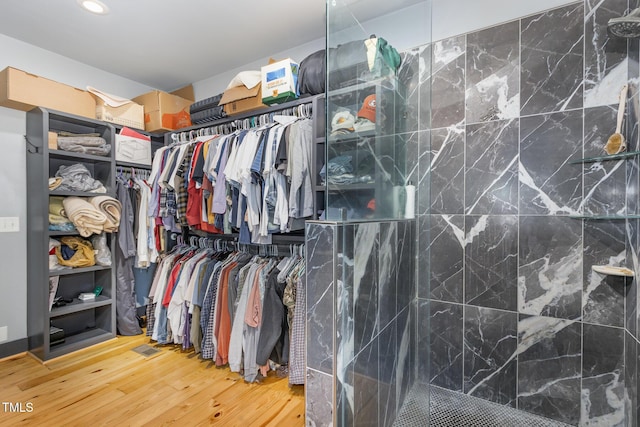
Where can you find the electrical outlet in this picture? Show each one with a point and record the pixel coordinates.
(9, 224)
(4, 333)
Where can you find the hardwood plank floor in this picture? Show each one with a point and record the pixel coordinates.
(111, 385)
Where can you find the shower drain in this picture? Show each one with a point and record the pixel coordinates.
(452, 409)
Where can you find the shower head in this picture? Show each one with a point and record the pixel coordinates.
(627, 26)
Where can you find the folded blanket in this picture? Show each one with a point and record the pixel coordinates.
(56, 207)
(58, 219)
(54, 183)
(84, 215)
(111, 208)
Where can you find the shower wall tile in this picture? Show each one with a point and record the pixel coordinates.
(493, 73)
(605, 56)
(446, 345)
(406, 350)
(550, 267)
(425, 71)
(490, 341)
(387, 273)
(344, 300)
(632, 301)
(448, 82)
(447, 258)
(447, 170)
(604, 182)
(552, 60)
(405, 249)
(491, 261)
(365, 385)
(603, 389)
(630, 379)
(549, 185)
(319, 290)
(491, 168)
(423, 261)
(417, 157)
(409, 78)
(365, 284)
(387, 370)
(549, 367)
(319, 399)
(424, 344)
(603, 296)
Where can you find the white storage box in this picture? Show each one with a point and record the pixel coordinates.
(279, 81)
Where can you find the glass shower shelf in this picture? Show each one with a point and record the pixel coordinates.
(604, 217)
(619, 156)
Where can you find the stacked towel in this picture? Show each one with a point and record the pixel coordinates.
(84, 215)
(111, 208)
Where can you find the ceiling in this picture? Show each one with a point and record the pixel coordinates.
(167, 44)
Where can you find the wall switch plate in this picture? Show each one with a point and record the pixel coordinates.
(9, 224)
(4, 333)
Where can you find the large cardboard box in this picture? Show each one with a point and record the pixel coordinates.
(240, 99)
(114, 109)
(185, 92)
(24, 91)
(280, 81)
(164, 111)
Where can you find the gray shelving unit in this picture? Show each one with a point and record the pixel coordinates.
(84, 323)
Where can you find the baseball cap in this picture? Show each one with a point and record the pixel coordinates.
(342, 122)
(368, 110)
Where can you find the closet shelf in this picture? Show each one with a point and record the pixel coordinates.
(81, 157)
(353, 136)
(80, 340)
(619, 156)
(68, 271)
(133, 165)
(612, 270)
(63, 233)
(351, 187)
(76, 306)
(80, 193)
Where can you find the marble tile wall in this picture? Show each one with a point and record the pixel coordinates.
(360, 321)
(508, 307)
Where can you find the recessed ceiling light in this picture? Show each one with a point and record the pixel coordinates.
(94, 6)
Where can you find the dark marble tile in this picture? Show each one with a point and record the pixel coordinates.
(490, 341)
(491, 168)
(447, 258)
(493, 73)
(423, 269)
(387, 273)
(319, 399)
(548, 183)
(344, 301)
(446, 342)
(631, 379)
(549, 373)
(550, 267)
(387, 374)
(446, 176)
(365, 385)
(405, 248)
(409, 88)
(552, 60)
(319, 289)
(603, 296)
(406, 348)
(425, 70)
(491, 261)
(604, 182)
(632, 319)
(604, 54)
(448, 82)
(424, 348)
(421, 176)
(603, 388)
(365, 284)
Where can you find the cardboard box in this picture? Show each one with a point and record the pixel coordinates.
(164, 111)
(24, 91)
(240, 99)
(132, 150)
(185, 92)
(130, 114)
(280, 81)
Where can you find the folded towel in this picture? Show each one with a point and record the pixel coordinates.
(84, 215)
(56, 207)
(58, 219)
(54, 183)
(111, 208)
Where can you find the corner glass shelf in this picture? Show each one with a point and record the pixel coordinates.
(619, 156)
(605, 217)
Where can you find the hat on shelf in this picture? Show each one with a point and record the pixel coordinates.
(342, 122)
(368, 110)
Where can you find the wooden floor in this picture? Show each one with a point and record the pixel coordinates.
(112, 385)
